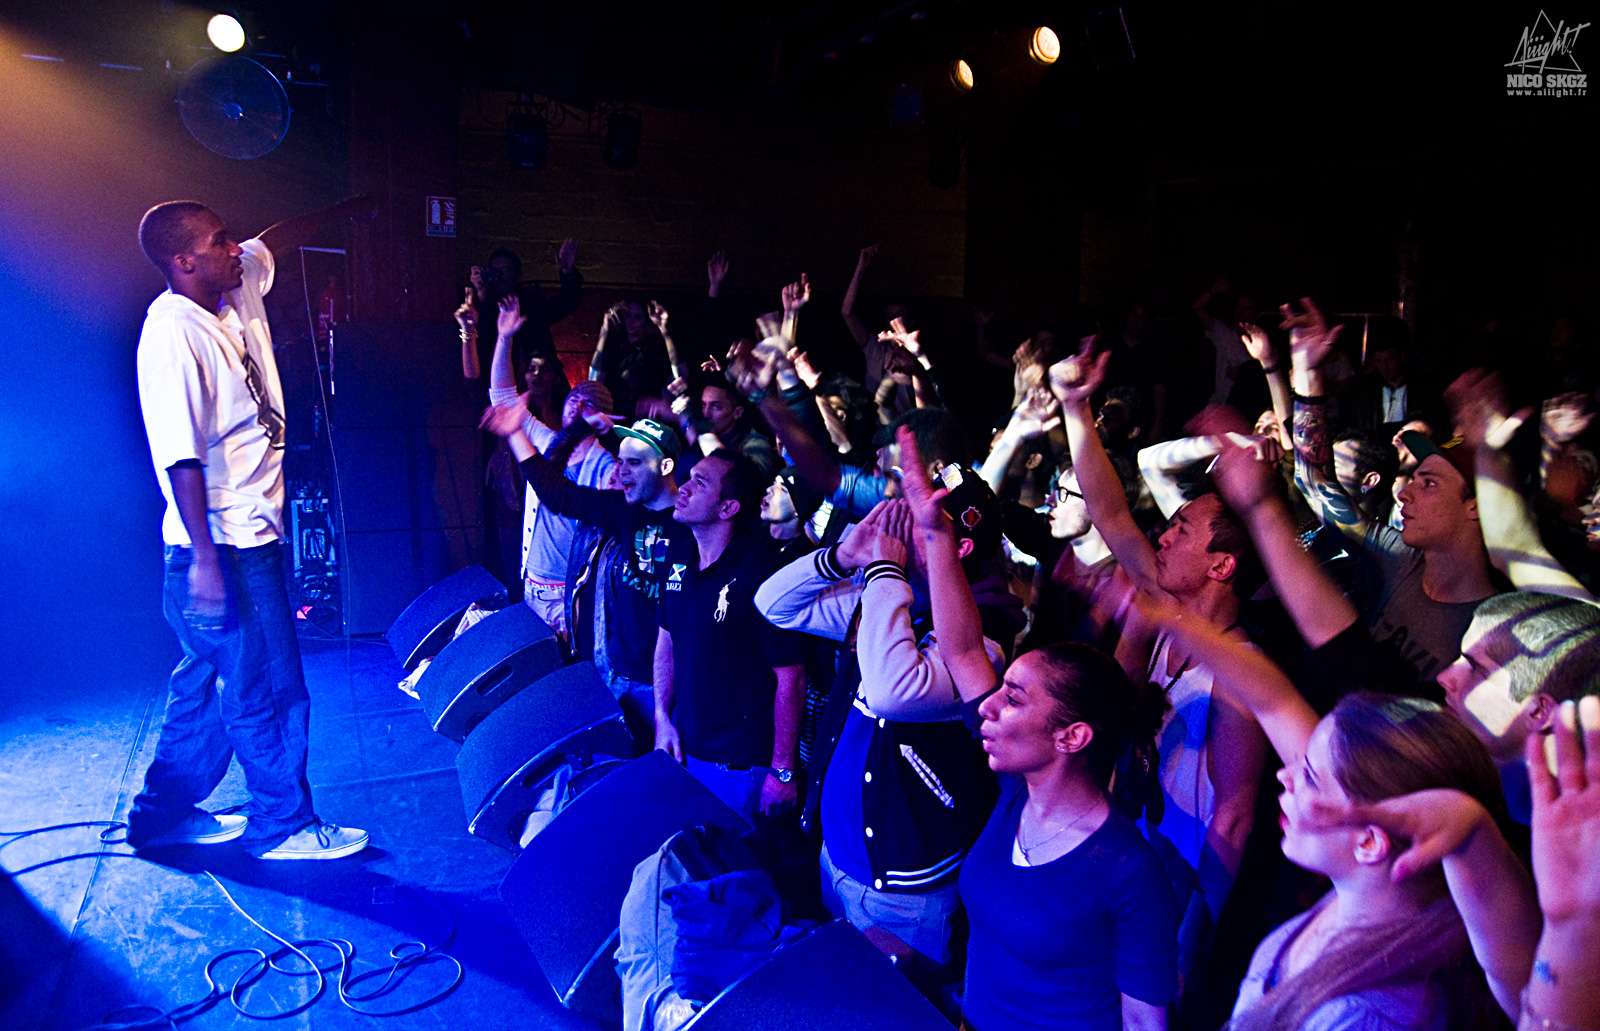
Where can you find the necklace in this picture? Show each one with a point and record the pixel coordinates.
(1027, 850)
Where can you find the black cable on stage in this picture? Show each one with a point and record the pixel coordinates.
(407, 955)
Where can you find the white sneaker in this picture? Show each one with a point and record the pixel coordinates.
(320, 840)
(202, 829)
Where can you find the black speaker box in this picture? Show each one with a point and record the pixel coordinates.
(427, 623)
(565, 890)
(382, 570)
(401, 374)
(829, 978)
(568, 716)
(494, 659)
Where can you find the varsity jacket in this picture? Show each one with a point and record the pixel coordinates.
(928, 790)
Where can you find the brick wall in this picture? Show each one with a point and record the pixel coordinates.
(779, 200)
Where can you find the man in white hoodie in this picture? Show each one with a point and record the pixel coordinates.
(214, 415)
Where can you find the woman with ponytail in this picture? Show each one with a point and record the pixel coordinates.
(1074, 925)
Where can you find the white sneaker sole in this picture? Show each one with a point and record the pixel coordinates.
(227, 833)
(339, 852)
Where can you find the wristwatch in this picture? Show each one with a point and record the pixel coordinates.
(783, 776)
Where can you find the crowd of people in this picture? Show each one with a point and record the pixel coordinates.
(1017, 707)
(1025, 699)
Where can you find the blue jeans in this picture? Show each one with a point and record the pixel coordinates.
(238, 690)
(922, 921)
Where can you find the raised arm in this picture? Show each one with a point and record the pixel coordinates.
(1490, 886)
(467, 320)
(509, 320)
(1509, 531)
(569, 296)
(795, 297)
(1248, 484)
(957, 623)
(847, 308)
(1074, 381)
(1310, 342)
(608, 322)
(1244, 675)
(1564, 991)
(1034, 418)
(546, 474)
(1260, 347)
(283, 237)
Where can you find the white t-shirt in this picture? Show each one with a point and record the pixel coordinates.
(1184, 741)
(200, 402)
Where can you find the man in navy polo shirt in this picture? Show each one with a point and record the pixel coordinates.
(729, 686)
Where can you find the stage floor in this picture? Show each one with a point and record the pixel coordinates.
(78, 940)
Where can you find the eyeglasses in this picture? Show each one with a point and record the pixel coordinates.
(1059, 494)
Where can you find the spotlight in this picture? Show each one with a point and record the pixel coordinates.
(1045, 47)
(227, 35)
(624, 130)
(961, 75)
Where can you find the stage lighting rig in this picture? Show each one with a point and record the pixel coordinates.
(225, 33)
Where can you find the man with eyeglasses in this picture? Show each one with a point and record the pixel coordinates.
(213, 412)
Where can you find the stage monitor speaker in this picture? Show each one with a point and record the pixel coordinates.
(428, 622)
(509, 755)
(832, 977)
(565, 890)
(494, 659)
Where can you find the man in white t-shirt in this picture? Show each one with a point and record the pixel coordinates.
(213, 412)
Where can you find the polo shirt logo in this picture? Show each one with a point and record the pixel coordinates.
(722, 601)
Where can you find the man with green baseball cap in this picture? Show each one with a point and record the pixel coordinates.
(618, 561)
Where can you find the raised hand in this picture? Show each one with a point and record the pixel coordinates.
(611, 319)
(856, 546)
(658, 315)
(751, 370)
(476, 279)
(1310, 339)
(1074, 380)
(1257, 343)
(467, 315)
(1245, 471)
(1564, 419)
(803, 368)
(717, 271)
(893, 544)
(711, 365)
(1438, 822)
(1477, 401)
(510, 318)
(567, 255)
(925, 501)
(505, 420)
(796, 295)
(867, 254)
(1566, 813)
(1036, 415)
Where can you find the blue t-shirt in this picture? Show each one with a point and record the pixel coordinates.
(1054, 946)
(858, 491)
